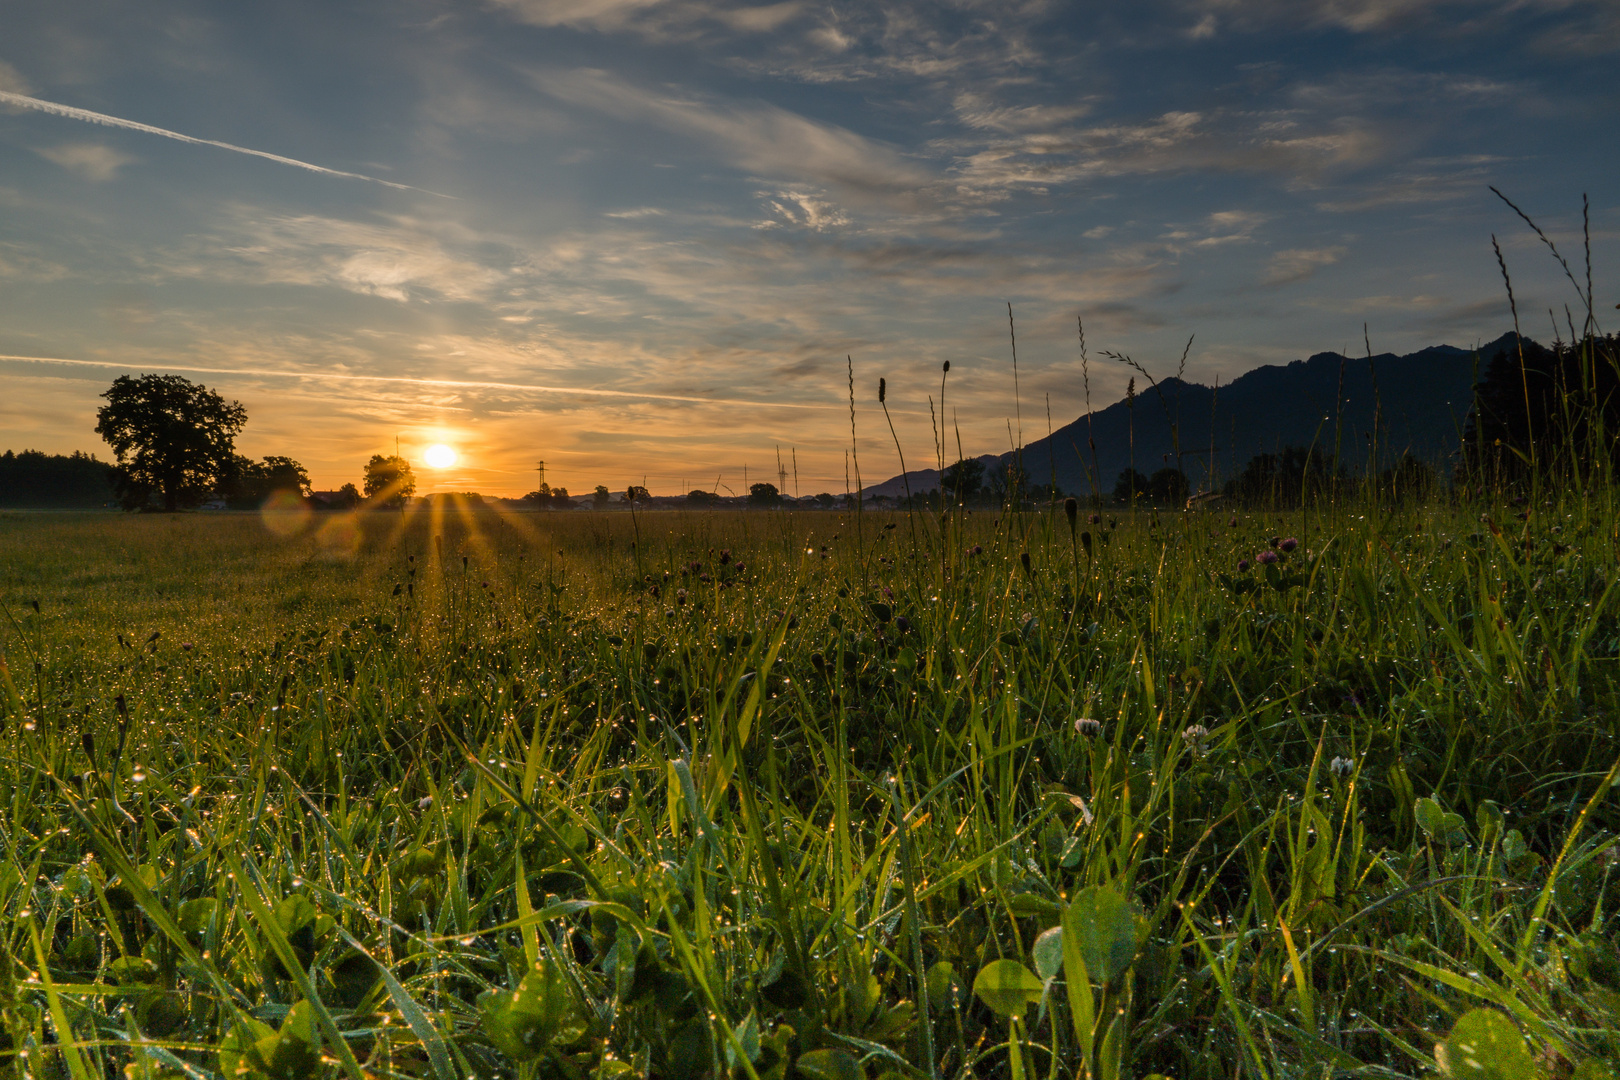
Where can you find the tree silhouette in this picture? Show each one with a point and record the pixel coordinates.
(1168, 486)
(1130, 486)
(171, 435)
(389, 479)
(1560, 408)
(963, 480)
(763, 495)
(249, 482)
(601, 496)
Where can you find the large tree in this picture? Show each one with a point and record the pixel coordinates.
(171, 435)
(389, 479)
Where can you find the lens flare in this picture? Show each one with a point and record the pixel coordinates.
(439, 456)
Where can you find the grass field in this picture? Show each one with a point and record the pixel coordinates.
(806, 795)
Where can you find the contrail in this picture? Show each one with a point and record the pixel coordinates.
(451, 384)
(74, 113)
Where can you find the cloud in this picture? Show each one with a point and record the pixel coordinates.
(761, 20)
(400, 259)
(762, 139)
(1361, 16)
(93, 161)
(1299, 264)
(806, 211)
(1595, 34)
(450, 384)
(579, 14)
(1173, 142)
(658, 19)
(1590, 26)
(71, 112)
(974, 111)
(12, 81)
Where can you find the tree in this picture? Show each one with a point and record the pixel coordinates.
(349, 496)
(1130, 485)
(1558, 407)
(963, 480)
(171, 436)
(1168, 486)
(389, 479)
(33, 478)
(560, 499)
(248, 483)
(699, 497)
(1282, 479)
(636, 493)
(600, 496)
(763, 495)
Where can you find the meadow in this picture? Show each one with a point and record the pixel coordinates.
(813, 795)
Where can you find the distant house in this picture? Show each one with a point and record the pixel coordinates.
(214, 504)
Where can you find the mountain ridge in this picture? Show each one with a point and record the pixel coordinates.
(1420, 402)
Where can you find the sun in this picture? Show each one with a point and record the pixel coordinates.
(439, 456)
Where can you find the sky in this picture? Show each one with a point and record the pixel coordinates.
(645, 241)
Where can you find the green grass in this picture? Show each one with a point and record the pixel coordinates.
(796, 795)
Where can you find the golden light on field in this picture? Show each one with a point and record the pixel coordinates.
(439, 456)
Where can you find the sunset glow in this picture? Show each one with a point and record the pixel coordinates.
(439, 456)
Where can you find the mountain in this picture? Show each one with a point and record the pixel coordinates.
(1421, 402)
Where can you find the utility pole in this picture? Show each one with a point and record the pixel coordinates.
(781, 473)
(541, 467)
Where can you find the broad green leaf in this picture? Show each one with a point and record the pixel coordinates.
(1103, 925)
(829, 1065)
(1008, 987)
(1485, 1045)
(237, 1056)
(1048, 953)
(747, 1037)
(940, 977)
(1436, 822)
(525, 1020)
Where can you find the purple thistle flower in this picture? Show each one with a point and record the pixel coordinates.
(1289, 544)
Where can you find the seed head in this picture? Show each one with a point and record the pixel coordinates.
(883, 390)
(1085, 725)
(1342, 766)
(1071, 510)
(1243, 565)
(947, 367)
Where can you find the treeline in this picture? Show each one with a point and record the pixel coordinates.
(37, 480)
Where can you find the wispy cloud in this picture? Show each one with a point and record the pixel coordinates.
(93, 161)
(1298, 264)
(762, 139)
(72, 112)
(12, 81)
(447, 384)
